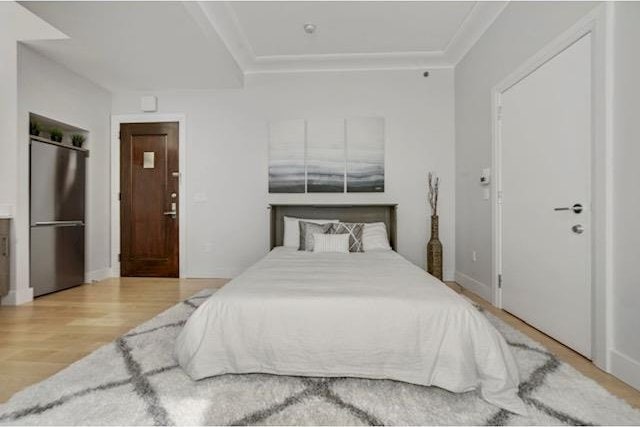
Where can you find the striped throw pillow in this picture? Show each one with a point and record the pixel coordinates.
(331, 243)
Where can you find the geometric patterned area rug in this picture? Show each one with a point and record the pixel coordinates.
(135, 381)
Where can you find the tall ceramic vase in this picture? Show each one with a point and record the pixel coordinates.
(434, 250)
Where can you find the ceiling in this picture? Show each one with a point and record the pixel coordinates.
(154, 45)
(267, 36)
(276, 28)
(137, 45)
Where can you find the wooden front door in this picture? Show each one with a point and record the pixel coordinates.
(149, 210)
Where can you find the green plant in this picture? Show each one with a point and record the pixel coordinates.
(78, 139)
(56, 135)
(34, 128)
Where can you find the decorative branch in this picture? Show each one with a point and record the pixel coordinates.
(434, 189)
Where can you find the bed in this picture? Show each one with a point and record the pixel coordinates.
(369, 315)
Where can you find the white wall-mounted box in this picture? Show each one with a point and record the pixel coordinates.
(149, 104)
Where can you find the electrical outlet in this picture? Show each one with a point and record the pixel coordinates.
(474, 256)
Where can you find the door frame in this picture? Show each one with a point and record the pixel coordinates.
(116, 121)
(598, 24)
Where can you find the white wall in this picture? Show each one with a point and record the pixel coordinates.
(625, 357)
(49, 89)
(16, 23)
(518, 33)
(227, 155)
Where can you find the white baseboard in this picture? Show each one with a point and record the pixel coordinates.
(18, 296)
(115, 270)
(473, 285)
(215, 273)
(97, 275)
(625, 368)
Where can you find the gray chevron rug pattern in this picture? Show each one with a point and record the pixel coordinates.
(135, 381)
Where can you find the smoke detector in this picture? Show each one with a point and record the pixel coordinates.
(309, 28)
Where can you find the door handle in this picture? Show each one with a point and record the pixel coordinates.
(577, 208)
(58, 223)
(578, 229)
(173, 212)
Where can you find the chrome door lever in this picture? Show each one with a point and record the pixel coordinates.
(577, 208)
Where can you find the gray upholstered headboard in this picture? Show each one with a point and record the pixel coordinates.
(344, 213)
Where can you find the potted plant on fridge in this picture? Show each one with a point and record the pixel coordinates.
(34, 128)
(55, 135)
(77, 140)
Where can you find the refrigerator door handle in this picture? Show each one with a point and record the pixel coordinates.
(59, 223)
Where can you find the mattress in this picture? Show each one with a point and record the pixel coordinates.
(369, 315)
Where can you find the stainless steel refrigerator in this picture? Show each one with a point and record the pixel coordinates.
(57, 194)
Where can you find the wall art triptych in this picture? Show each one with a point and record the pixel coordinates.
(327, 156)
(286, 157)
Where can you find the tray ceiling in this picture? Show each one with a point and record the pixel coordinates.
(172, 45)
(269, 35)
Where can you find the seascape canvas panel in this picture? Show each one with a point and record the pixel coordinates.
(287, 157)
(325, 156)
(365, 155)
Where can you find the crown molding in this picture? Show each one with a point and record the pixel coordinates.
(346, 62)
(224, 21)
(477, 22)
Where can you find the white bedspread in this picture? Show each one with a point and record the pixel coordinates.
(369, 315)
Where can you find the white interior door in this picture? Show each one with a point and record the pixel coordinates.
(545, 140)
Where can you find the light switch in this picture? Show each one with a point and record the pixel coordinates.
(485, 176)
(486, 194)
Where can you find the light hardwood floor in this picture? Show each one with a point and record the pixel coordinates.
(40, 338)
(579, 362)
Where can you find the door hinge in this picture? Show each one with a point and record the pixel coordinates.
(119, 257)
(119, 196)
(120, 135)
(499, 281)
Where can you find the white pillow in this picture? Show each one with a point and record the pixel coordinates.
(374, 236)
(292, 230)
(331, 243)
